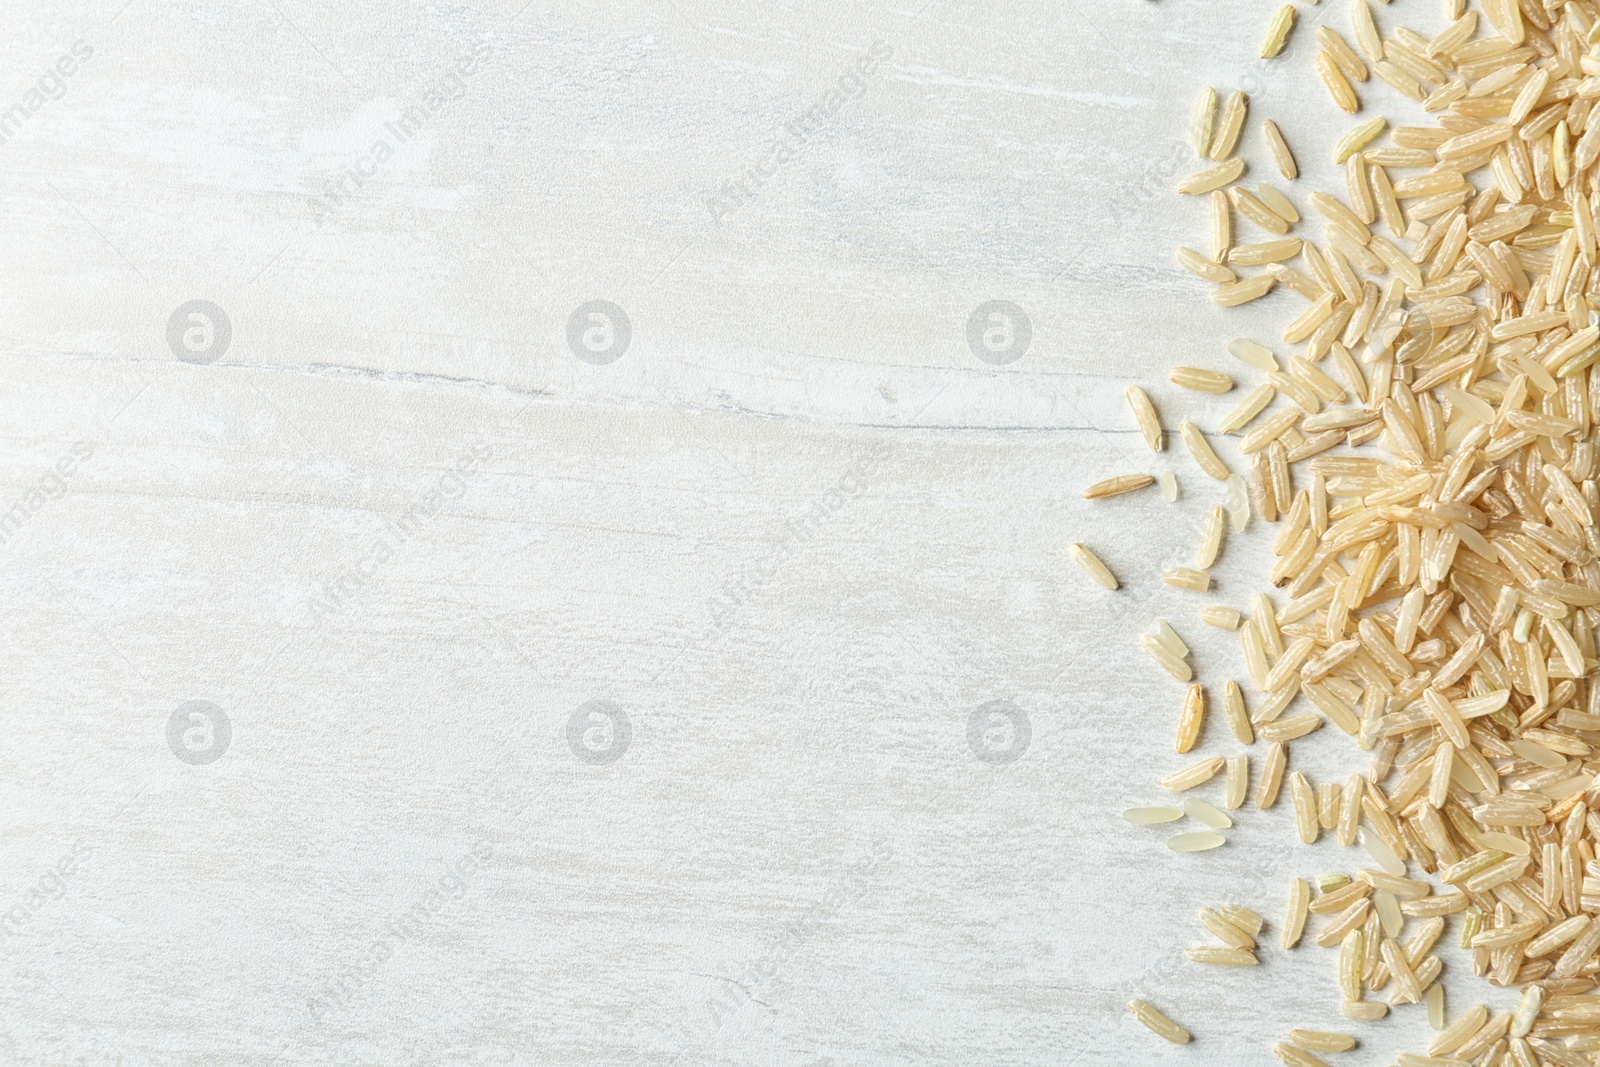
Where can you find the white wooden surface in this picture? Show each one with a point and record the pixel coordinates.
(797, 533)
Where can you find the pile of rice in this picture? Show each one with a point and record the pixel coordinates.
(1427, 451)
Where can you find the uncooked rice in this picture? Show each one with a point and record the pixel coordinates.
(1278, 33)
(1428, 447)
(1157, 1020)
(1116, 486)
(1086, 559)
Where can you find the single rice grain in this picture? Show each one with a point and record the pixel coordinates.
(1157, 1021)
(1198, 841)
(1152, 816)
(1122, 483)
(1294, 922)
(1084, 558)
(1200, 449)
(1193, 775)
(1200, 380)
(1207, 814)
(1229, 124)
(1144, 412)
(1281, 155)
(1192, 718)
(1278, 32)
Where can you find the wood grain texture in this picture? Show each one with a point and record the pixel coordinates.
(797, 534)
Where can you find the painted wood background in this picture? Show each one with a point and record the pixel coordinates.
(411, 660)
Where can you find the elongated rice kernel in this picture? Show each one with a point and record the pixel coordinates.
(1242, 917)
(1290, 728)
(1277, 203)
(1400, 969)
(1238, 503)
(1272, 775)
(1187, 578)
(1355, 140)
(1225, 931)
(1278, 32)
(1164, 657)
(1229, 124)
(1350, 810)
(1198, 841)
(1254, 402)
(1453, 1036)
(1152, 816)
(1366, 30)
(1218, 956)
(1252, 354)
(1204, 381)
(1282, 156)
(1322, 1040)
(1328, 796)
(1238, 782)
(1221, 224)
(1205, 268)
(1363, 1010)
(1170, 639)
(1211, 539)
(1389, 917)
(1350, 960)
(1203, 121)
(1337, 84)
(1294, 923)
(1527, 1010)
(1305, 807)
(1193, 775)
(1192, 718)
(1122, 483)
(1382, 854)
(1091, 565)
(1435, 1002)
(1291, 1056)
(1204, 456)
(1144, 412)
(1270, 429)
(1251, 207)
(1220, 616)
(1215, 177)
(1238, 715)
(1202, 812)
(1242, 292)
(1157, 1021)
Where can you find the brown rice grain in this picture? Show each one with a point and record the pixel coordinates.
(1205, 381)
(1091, 565)
(1337, 84)
(1281, 155)
(1291, 1056)
(1203, 121)
(1278, 32)
(1272, 775)
(1212, 177)
(1243, 292)
(1220, 957)
(1192, 718)
(1157, 1021)
(1229, 125)
(1238, 782)
(1144, 412)
(1189, 578)
(1205, 268)
(1122, 483)
(1200, 449)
